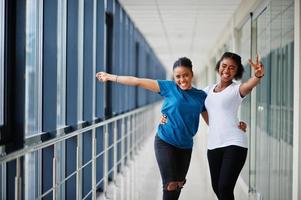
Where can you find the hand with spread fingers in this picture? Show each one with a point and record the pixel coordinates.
(258, 67)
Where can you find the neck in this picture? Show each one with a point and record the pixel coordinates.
(223, 84)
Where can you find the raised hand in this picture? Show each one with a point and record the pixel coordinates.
(258, 67)
(104, 77)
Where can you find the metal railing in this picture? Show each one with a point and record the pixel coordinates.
(126, 132)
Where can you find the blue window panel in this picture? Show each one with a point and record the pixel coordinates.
(116, 55)
(47, 174)
(14, 65)
(109, 101)
(87, 152)
(71, 188)
(89, 79)
(87, 171)
(110, 6)
(100, 59)
(89, 76)
(99, 161)
(49, 65)
(2, 49)
(110, 152)
(10, 179)
(71, 167)
(132, 63)
(126, 60)
(72, 62)
(71, 93)
(141, 71)
(109, 63)
(136, 73)
(121, 64)
(148, 75)
(110, 37)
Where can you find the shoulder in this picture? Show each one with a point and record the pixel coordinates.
(209, 88)
(166, 87)
(200, 92)
(235, 85)
(166, 82)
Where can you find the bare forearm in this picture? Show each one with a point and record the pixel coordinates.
(126, 80)
(148, 84)
(247, 86)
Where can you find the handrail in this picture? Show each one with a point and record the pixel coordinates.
(38, 146)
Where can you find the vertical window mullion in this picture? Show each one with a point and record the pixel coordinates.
(61, 63)
(34, 47)
(94, 58)
(61, 91)
(2, 31)
(80, 53)
(2, 25)
(80, 59)
(33, 93)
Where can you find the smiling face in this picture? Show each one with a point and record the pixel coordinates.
(227, 69)
(183, 77)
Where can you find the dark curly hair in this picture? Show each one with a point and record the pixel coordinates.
(237, 59)
(184, 61)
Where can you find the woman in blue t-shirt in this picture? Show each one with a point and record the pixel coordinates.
(227, 145)
(182, 105)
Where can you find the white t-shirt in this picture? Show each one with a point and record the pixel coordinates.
(222, 109)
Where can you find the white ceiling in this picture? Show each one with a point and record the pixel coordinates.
(177, 28)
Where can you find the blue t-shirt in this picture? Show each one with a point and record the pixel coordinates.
(182, 108)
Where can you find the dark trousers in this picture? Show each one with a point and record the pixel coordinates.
(173, 164)
(225, 165)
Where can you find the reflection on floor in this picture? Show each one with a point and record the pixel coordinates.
(141, 179)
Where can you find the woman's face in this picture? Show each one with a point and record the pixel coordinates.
(227, 69)
(183, 77)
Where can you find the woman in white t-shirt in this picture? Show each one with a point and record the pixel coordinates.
(227, 144)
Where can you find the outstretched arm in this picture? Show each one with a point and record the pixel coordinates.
(148, 84)
(246, 87)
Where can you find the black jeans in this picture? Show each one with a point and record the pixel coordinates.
(225, 165)
(173, 164)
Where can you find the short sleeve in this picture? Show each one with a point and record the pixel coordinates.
(165, 87)
(204, 95)
(237, 93)
(208, 88)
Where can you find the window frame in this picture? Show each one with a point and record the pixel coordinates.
(2, 46)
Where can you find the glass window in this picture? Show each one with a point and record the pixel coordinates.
(33, 93)
(2, 17)
(245, 53)
(33, 88)
(61, 63)
(61, 90)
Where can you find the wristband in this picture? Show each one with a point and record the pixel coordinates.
(259, 76)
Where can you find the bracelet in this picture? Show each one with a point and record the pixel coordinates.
(116, 78)
(259, 76)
